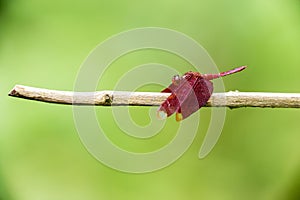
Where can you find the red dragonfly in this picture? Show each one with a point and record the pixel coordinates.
(189, 93)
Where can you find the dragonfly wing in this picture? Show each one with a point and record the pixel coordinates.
(179, 92)
(197, 98)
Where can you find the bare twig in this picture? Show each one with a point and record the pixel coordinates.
(116, 98)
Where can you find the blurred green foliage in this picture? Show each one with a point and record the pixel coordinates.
(43, 43)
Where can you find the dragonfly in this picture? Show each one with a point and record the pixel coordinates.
(189, 93)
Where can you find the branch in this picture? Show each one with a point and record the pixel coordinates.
(117, 98)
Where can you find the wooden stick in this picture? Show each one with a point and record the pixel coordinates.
(233, 99)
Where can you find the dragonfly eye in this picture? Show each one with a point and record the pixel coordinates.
(161, 114)
(176, 79)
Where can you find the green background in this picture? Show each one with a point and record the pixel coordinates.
(43, 43)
